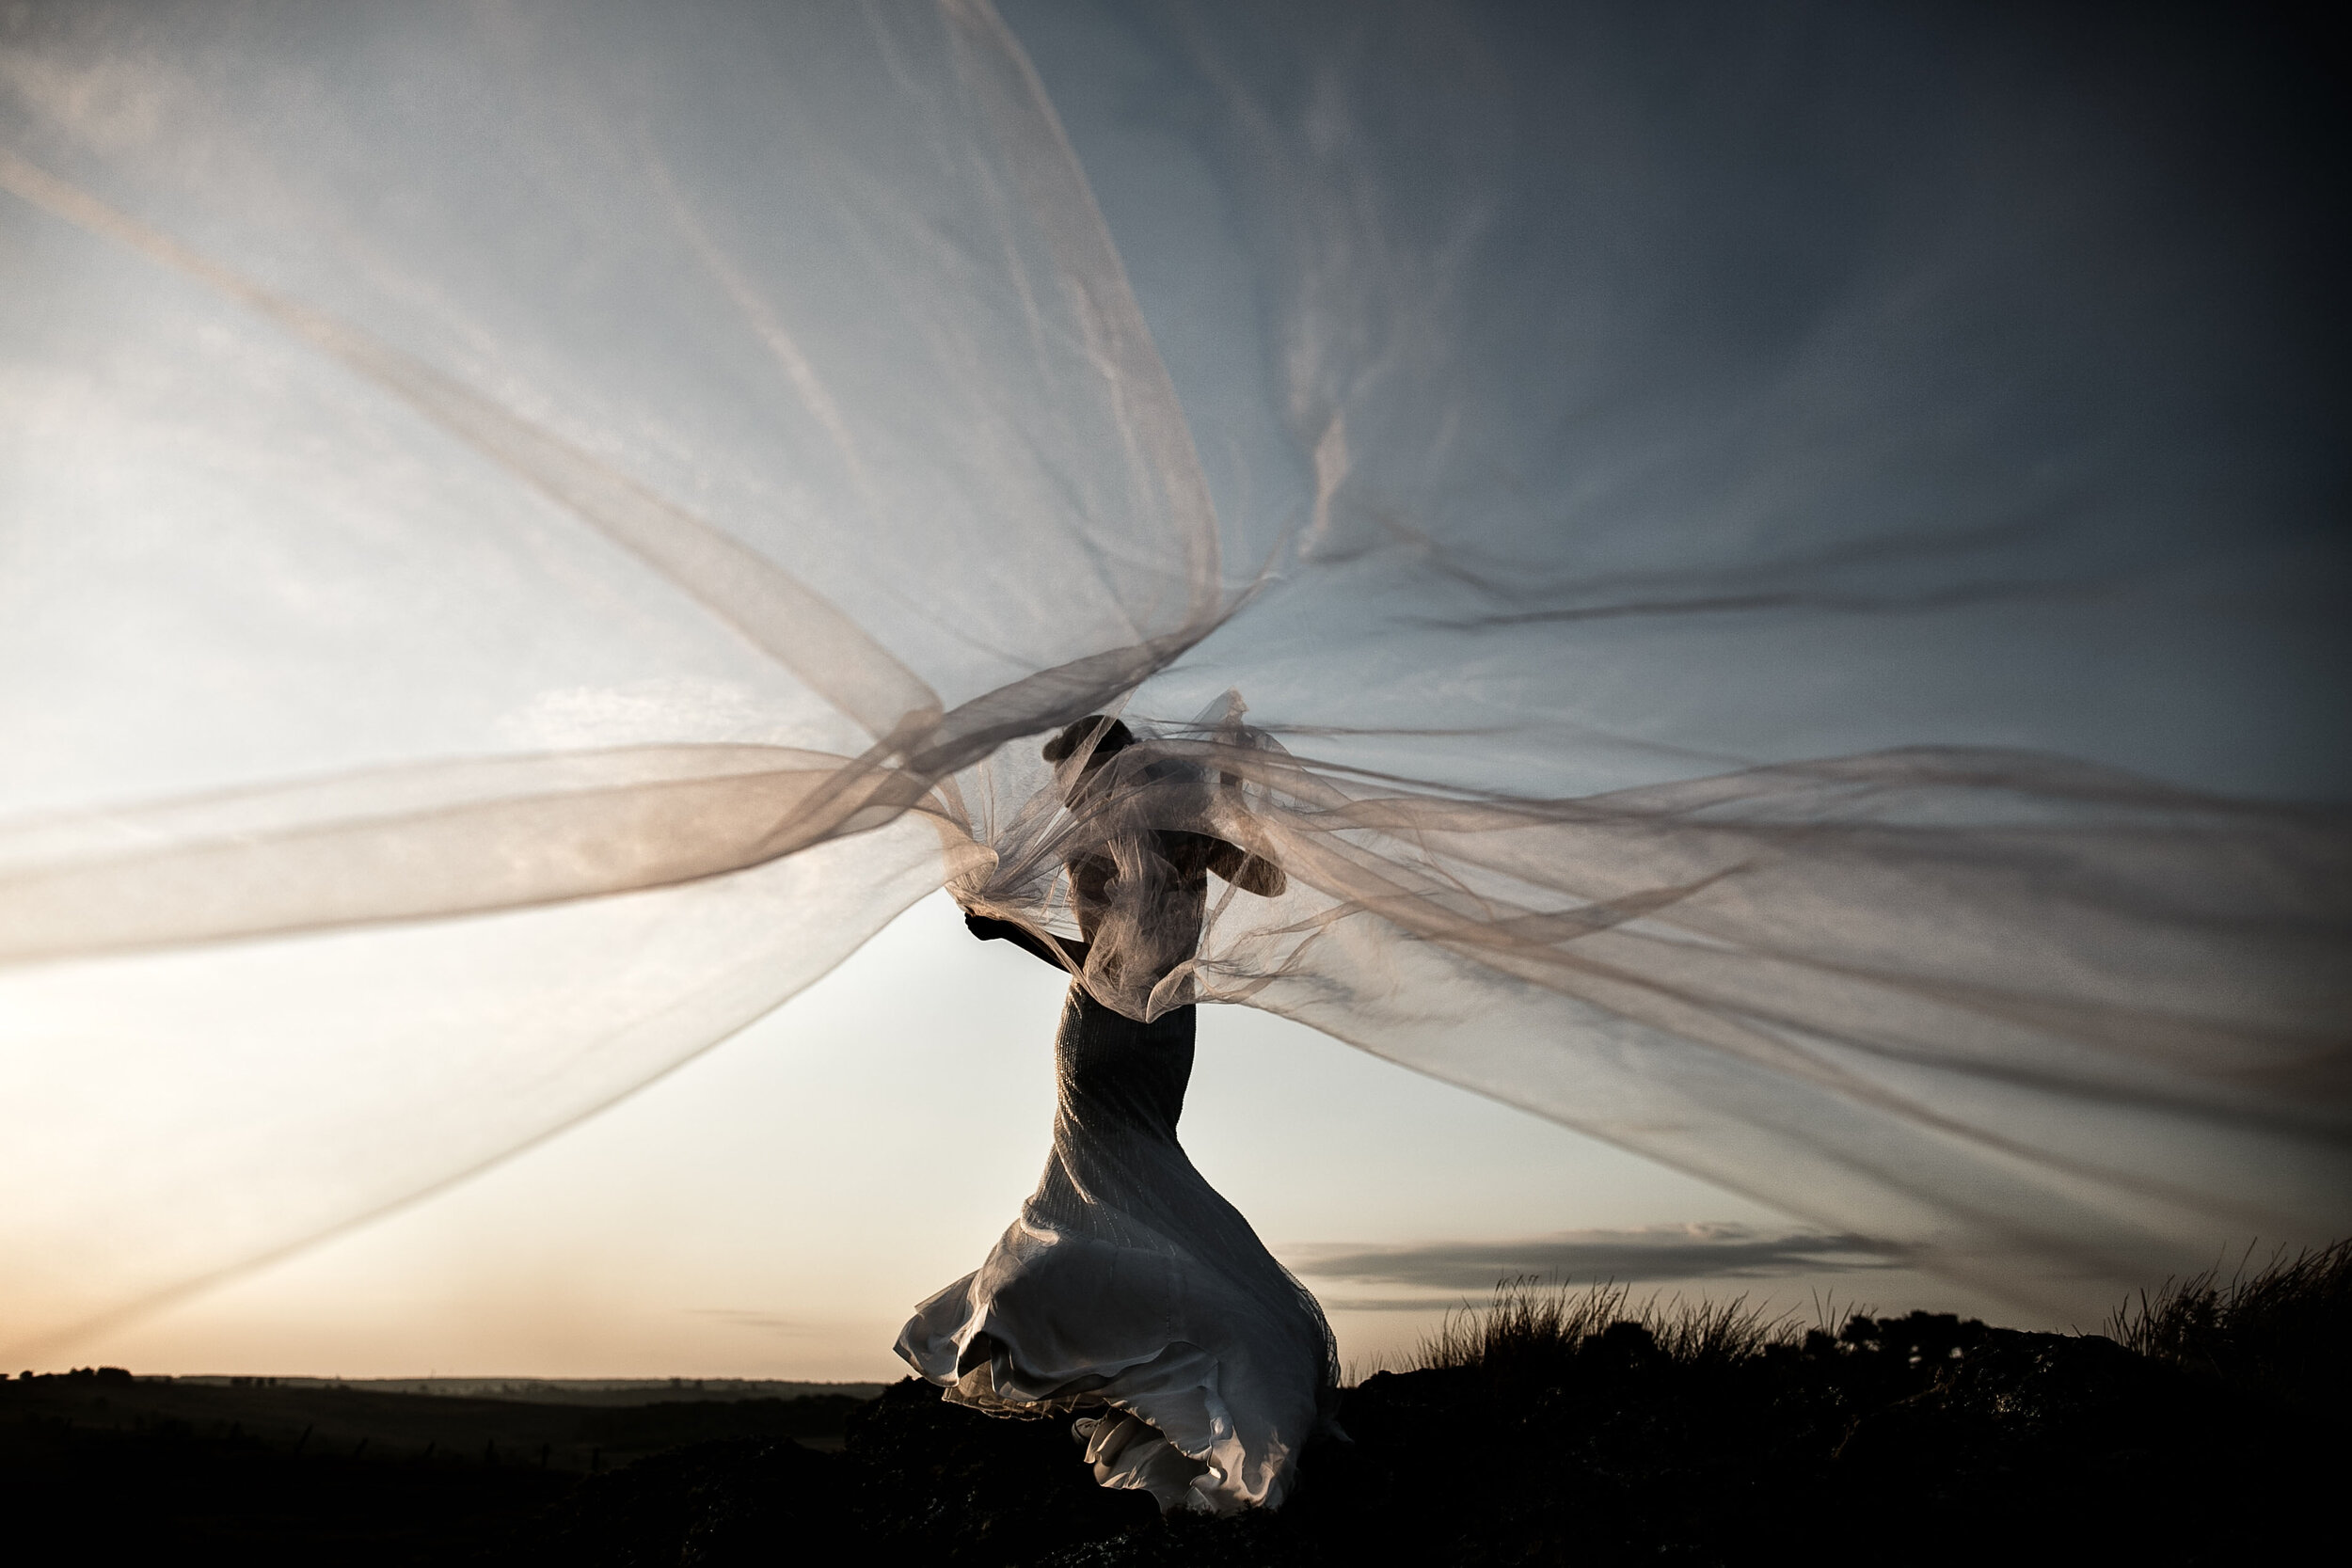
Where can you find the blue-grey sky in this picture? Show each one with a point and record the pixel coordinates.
(1730, 387)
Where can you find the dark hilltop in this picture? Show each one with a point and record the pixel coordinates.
(2210, 1425)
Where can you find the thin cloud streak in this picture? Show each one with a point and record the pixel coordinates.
(1654, 1254)
(1394, 1304)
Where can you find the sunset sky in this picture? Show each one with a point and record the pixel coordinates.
(1644, 434)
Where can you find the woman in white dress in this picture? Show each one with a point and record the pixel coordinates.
(1127, 1287)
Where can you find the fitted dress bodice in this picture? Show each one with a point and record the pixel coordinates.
(1117, 1082)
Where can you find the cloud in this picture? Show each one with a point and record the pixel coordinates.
(1655, 1253)
(1393, 1303)
(736, 1316)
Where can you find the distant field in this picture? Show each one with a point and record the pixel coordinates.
(549, 1390)
(556, 1425)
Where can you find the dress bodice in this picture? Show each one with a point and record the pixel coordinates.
(1117, 1079)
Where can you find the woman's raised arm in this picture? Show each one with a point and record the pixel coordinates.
(1062, 953)
(1251, 873)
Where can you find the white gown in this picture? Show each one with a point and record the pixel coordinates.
(1127, 1282)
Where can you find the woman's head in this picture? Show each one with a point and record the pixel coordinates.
(1098, 737)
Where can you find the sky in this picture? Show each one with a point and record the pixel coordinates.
(775, 1206)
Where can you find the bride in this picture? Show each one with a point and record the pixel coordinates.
(1127, 1286)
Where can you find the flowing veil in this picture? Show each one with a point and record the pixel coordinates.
(1771, 581)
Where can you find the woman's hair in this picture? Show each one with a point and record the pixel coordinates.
(1109, 737)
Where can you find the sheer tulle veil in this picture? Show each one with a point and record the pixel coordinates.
(1769, 577)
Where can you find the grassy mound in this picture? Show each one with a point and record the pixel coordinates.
(1559, 1426)
(2280, 1329)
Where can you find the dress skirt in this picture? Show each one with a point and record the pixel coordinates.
(1127, 1288)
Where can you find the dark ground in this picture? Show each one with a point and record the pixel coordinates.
(1920, 1440)
(105, 1467)
(1915, 1441)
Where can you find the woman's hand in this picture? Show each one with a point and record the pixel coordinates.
(1060, 952)
(988, 928)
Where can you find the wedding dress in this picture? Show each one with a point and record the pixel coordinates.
(1127, 1282)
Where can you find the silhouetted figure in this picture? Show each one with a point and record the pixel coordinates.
(1127, 1283)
